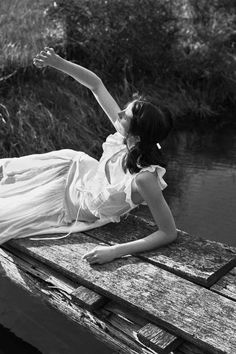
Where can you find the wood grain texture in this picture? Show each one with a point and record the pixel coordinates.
(142, 327)
(57, 303)
(88, 299)
(38, 270)
(118, 309)
(189, 348)
(194, 258)
(226, 285)
(85, 297)
(130, 328)
(157, 339)
(183, 308)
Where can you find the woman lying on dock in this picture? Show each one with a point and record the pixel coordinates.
(70, 191)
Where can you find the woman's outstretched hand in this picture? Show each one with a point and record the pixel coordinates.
(46, 57)
(100, 255)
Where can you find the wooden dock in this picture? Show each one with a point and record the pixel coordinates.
(179, 299)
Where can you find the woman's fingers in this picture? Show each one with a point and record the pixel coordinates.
(49, 49)
(88, 255)
(91, 257)
(43, 53)
(38, 62)
(92, 260)
(45, 57)
(40, 59)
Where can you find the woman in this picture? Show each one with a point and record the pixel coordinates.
(68, 190)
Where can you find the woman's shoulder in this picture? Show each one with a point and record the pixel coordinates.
(149, 176)
(147, 187)
(146, 176)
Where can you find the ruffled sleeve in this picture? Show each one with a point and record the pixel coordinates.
(113, 143)
(160, 173)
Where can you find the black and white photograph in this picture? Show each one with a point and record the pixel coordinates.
(118, 177)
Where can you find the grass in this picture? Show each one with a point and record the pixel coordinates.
(25, 29)
(45, 116)
(39, 110)
(42, 110)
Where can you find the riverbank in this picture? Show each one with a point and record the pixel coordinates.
(46, 110)
(186, 65)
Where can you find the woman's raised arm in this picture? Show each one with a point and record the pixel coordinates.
(48, 57)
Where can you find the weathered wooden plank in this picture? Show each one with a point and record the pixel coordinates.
(121, 323)
(45, 318)
(85, 297)
(176, 304)
(119, 309)
(178, 351)
(189, 348)
(23, 309)
(128, 324)
(38, 270)
(199, 260)
(157, 339)
(88, 298)
(164, 341)
(226, 285)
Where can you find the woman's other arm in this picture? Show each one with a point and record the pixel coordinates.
(89, 79)
(167, 233)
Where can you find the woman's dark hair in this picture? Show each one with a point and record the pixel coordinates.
(152, 125)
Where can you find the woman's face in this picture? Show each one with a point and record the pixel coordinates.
(125, 117)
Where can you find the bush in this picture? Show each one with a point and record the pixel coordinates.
(186, 46)
(181, 52)
(117, 37)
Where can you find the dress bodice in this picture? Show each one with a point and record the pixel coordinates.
(109, 189)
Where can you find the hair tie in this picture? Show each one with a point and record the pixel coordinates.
(149, 144)
(137, 162)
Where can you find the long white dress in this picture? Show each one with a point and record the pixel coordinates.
(65, 191)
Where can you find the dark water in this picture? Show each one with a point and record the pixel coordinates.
(202, 185)
(201, 177)
(201, 193)
(10, 344)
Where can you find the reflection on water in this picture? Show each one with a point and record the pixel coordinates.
(201, 179)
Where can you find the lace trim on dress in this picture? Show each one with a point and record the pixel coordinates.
(127, 192)
(113, 143)
(160, 171)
